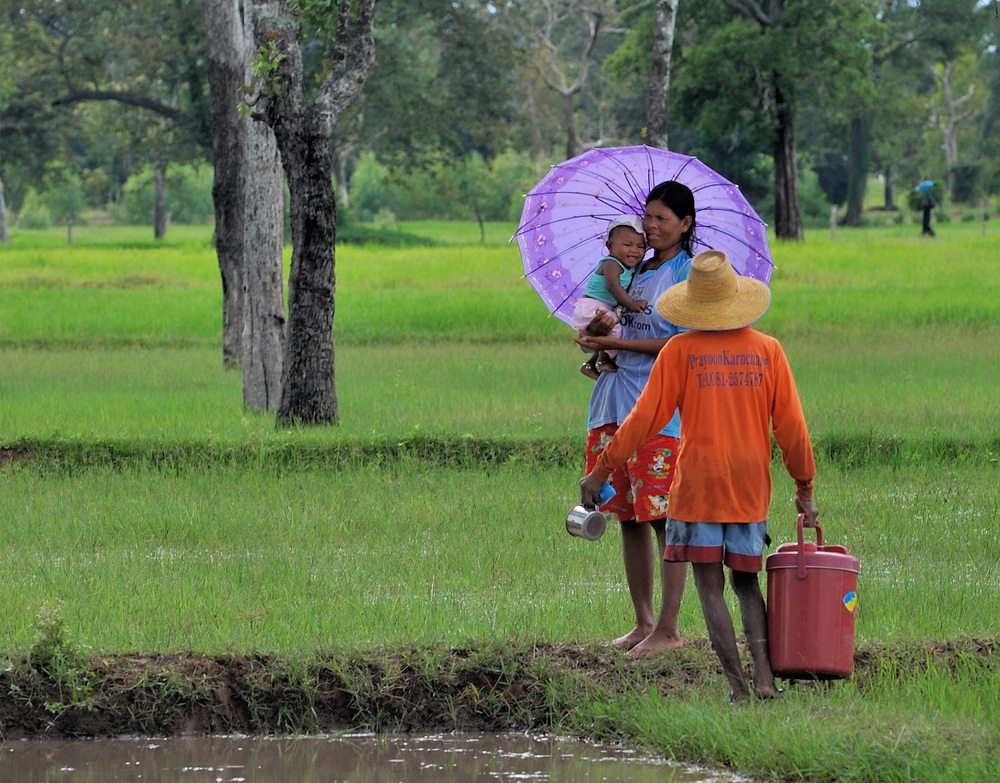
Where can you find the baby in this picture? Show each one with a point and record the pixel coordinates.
(607, 287)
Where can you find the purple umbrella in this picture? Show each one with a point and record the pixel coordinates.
(565, 216)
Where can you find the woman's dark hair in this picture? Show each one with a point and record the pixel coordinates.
(679, 198)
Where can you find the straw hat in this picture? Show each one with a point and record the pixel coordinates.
(632, 221)
(714, 297)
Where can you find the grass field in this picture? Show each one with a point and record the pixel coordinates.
(145, 511)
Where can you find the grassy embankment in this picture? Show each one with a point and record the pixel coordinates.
(409, 568)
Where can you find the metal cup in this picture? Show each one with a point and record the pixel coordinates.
(586, 523)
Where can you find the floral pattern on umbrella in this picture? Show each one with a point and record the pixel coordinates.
(565, 216)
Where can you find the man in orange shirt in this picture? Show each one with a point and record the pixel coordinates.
(733, 388)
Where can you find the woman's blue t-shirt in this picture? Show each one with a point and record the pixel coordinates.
(615, 393)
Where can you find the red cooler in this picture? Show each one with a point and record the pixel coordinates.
(811, 600)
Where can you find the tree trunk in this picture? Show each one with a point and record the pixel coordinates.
(263, 332)
(4, 230)
(303, 132)
(787, 210)
(226, 69)
(340, 154)
(572, 140)
(949, 124)
(264, 306)
(160, 202)
(308, 391)
(659, 83)
(889, 189)
(857, 177)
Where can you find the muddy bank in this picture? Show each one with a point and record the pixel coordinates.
(51, 693)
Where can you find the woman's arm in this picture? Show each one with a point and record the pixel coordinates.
(651, 345)
(596, 339)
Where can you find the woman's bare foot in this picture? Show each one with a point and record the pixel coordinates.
(736, 696)
(653, 644)
(629, 640)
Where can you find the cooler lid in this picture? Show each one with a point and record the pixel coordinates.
(815, 557)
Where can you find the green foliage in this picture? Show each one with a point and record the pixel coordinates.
(263, 68)
(60, 665)
(444, 84)
(918, 200)
(97, 186)
(34, 212)
(66, 201)
(967, 185)
(813, 198)
(189, 196)
(464, 190)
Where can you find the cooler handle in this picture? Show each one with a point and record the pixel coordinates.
(800, 523)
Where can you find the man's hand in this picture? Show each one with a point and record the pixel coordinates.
(590, 491)
(808, 507)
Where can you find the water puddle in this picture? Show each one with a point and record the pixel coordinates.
(356, 758)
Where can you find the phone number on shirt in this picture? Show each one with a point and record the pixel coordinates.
(730, 379)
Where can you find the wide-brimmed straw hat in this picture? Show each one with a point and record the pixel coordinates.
(714, 297)
(632, 221)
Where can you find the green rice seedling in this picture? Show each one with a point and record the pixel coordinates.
(867, 280)
(308, 558)
(898, 729)
(910, 383)
(160, 516)
(884, 278)
(925, 537)
(385, 391)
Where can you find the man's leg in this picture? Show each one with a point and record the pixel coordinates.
(754, 613)
(639, 555)
(711, 582)
(673, 577)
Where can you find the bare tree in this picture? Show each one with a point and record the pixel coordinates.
(263, 270)
(659, 81)
(4, 231)
(953, 117)
(248, 197)
(302, 127)
(566, 53)
(226, 74)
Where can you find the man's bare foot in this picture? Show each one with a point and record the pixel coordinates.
(766, 691)
(629, 640)
(736, 696)
(763, 682)
(653, 644)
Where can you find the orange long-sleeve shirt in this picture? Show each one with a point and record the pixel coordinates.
(733, 388)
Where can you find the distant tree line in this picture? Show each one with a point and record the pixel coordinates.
(468, 101)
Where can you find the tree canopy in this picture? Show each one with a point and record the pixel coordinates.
(111, 87)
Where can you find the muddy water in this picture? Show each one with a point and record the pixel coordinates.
(432, 758)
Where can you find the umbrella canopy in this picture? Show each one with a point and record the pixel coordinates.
(926, 187)
(565, 217)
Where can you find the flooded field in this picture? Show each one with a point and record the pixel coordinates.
(356, 758)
